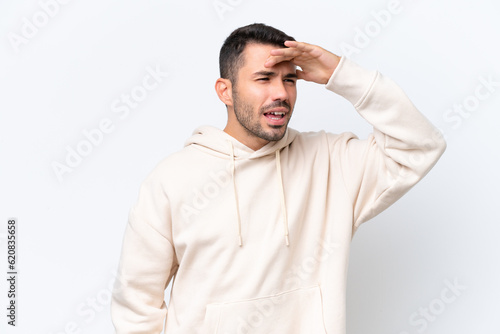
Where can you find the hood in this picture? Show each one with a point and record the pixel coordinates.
(224, 144)
(219, 141)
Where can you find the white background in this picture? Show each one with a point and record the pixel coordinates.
(63, 78)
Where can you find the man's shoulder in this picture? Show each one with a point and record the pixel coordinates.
(176, 163)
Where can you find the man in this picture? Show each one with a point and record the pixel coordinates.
(254, 223)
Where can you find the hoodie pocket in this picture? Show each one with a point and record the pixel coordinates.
(298, 311)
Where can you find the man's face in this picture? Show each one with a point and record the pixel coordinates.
(263, 98)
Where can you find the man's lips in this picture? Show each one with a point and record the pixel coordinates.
(279, 109)
(276, 116)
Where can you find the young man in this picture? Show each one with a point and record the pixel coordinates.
(254, 223)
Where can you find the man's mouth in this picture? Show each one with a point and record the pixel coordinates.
(275, 115)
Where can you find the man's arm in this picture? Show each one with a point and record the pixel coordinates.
(403, 147)
(147, 264)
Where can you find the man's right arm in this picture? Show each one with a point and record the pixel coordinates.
(147, 265)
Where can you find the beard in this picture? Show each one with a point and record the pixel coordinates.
(251, 121)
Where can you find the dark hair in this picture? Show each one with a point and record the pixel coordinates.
(231, 58)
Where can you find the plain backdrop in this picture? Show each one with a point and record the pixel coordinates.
(429, 264)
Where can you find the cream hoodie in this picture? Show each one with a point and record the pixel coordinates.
(258, 241)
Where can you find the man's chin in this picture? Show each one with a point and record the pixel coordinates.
(275, 132)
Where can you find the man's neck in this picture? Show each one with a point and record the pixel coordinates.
(249, 140)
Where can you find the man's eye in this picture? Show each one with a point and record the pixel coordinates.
(290, 81)
(263, 79)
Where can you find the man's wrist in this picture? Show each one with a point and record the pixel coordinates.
(350, 80)
(332, 70)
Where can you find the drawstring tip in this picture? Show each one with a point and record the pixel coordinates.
(240, 241)
(287, 242)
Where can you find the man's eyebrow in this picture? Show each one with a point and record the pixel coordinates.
(272, 74)
(264, 73)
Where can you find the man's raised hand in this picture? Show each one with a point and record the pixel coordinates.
(317, 64)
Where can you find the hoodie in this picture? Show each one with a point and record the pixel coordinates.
(258, 241)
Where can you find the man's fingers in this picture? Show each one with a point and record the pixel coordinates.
(302, 46)
(291, 44)
(290, 52)
(316, 63)
(293, 50)
(273, 60)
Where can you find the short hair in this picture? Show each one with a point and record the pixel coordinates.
(231, 52)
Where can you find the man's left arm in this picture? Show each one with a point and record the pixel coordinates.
(404, 145)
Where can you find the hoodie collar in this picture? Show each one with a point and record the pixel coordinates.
(216, 140)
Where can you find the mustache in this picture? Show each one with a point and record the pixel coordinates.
(276, 104)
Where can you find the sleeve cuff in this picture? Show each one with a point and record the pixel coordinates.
(351, 81)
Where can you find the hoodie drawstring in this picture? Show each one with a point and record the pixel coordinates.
(282, 193)
(283, 202)
(235, 194)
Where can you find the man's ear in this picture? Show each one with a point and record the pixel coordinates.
(224, 89)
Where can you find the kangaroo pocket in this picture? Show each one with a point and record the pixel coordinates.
(292, 312)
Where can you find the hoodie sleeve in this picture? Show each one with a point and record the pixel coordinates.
(147, 264)
(402, 149)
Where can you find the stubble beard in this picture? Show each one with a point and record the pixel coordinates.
(251, 123)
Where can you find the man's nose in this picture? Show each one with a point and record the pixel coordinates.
(279, 91)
